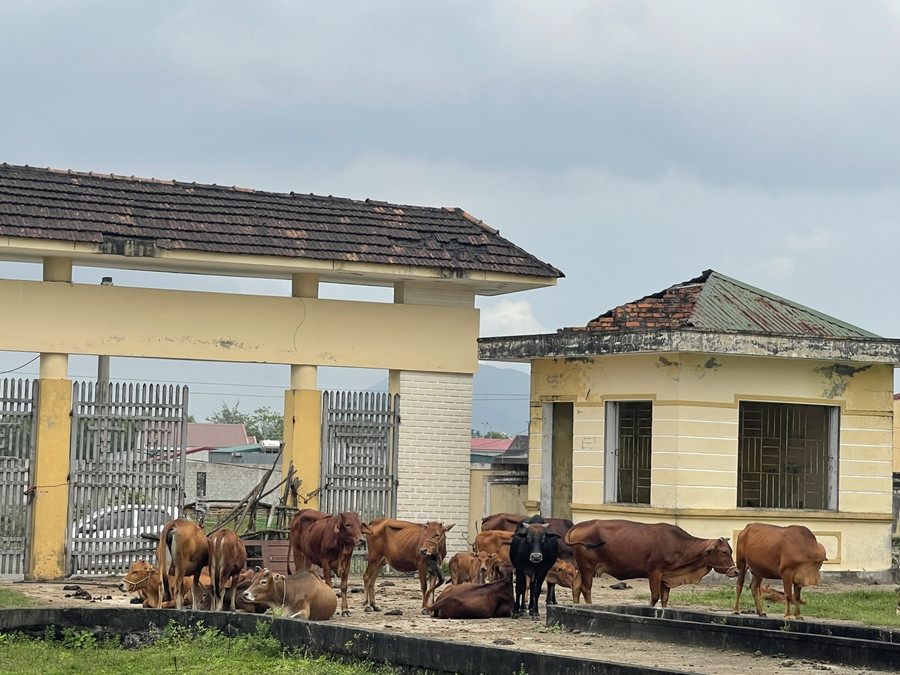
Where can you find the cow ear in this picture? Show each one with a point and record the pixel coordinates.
(337, 527)
(366, 529)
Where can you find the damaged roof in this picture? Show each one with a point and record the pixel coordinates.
(718, 303)
(117, 216)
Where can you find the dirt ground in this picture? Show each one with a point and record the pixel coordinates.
(402, 594)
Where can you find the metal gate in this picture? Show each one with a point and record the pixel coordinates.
(127, 472)
(18, 401)
(359, 453)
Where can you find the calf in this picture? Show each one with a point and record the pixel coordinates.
(183, 551)
(318, 538)
(235, 588)
(790, 553)
(773, 595)
(664, 554)
(473, 567)
(474, 600)
(227, 558)
(533, 551)
(494, 541)
(144, 580)
(564, 574)
(301, 595)
(407, 547)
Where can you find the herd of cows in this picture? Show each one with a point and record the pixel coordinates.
(513, 557)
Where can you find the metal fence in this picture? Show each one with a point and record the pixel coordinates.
(126, 472)
(18, 401)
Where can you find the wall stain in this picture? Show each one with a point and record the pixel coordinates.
(836, 376)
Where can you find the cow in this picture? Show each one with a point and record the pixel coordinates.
(664, 554)
(182, 551)
(508, 522)
(790, 553)
(474, 601)
(494, 541)
(235, 588)
(143, 579)
(318, 538)
(473, 567)
(773, 595)
(533, 550)
(227, 559)
(301, 595)
(407, 547)
(564, 574)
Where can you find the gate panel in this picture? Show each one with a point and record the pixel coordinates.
(127, 472)
(359, 462)
(18, 401)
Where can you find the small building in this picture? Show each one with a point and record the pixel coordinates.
(710, 405)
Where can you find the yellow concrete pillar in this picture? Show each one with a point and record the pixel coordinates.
(303, 411)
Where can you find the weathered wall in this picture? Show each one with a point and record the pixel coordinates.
(226, 482)
(695, 424)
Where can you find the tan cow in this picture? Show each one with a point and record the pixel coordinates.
(301, 595)
(566, 575)
(790, 553)
(494, 541)
(407, 547)
(473, 567)
(227, 559)
(144, 580)
(183, 551)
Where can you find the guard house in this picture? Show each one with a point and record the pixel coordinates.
(436, 260)
(710, 405)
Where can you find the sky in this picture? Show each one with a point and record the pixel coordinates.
(632, 145)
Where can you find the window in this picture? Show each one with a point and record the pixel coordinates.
(629, 432)
(787, 455)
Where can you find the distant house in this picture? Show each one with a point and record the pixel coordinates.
(485, 449)
(712, 404)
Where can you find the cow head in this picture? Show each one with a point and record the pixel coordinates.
(486, 562)
(434, 541)
(262, 586)
(138, 576)
(719, 557)
(535, 534)
(349, 528)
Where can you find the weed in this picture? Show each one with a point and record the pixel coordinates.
(78, 639)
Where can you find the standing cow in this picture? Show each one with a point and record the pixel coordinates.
(227, 559)
(790, 553)
(407, 547)
(533, 550)
(318, 538)
(183, 551)
(664, 554)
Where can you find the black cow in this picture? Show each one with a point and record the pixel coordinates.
(533, 550)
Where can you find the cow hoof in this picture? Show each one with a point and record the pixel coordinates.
(425, 612)
(346, 612)
(535, 617)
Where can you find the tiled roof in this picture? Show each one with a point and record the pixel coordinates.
(718, 303)
(124, 215)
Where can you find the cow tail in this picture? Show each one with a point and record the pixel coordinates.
(168, 557)
(216, 563)
(290, 554)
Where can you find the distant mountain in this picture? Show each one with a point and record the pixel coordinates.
(500, 400)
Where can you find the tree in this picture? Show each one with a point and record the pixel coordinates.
(264, 423)
(495, 434)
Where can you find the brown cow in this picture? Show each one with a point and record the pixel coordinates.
(664, 554)
(227, 559)
(318, 538)
(494, 541)
(508, 522)
(243, 581)
(143, 579)
(790, 553)
(564, 574)
(406, 547)
(302, 595)
(474, 600)
(183, 551)
(473, 567)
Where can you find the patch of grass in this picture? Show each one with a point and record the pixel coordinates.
(10, 598)
(197, 650)
(870, 607)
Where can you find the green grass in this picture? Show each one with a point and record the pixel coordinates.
(870, 607)
(178, 650)
(10, 598)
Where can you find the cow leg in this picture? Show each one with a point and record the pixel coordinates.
(664, 594)
(587, 582)
(536, 584)
(196, 591)
(791, 594)
(373, 569)
(551, 594)
(179, 589)
(739, 587)
(519, 605)
(755, 582)
(655, 579)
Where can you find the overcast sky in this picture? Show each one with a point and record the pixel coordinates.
(630, 144)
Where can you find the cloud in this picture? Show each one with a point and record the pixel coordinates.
(779, 267)
(509, 317)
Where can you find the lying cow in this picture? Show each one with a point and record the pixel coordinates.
(407, 547)
(475, 601)
(664, 554)
(301, 595)
(318, 538)
(143, 579)
(508, 522)
(533, 550)
(790, 553)
(234, 592)
(227, 559)
(183, 551)
(774, 595)
(564, 574)
(471, 567)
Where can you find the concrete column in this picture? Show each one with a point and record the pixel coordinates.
(303, 410)
(47, 559)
